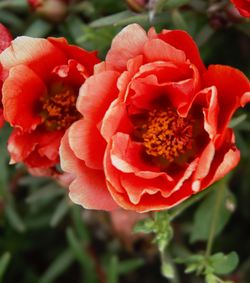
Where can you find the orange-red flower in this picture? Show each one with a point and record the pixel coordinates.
(39, 95)
(156, 124)
(5, 39)
(243, 6)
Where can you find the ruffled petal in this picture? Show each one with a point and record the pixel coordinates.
(88, 187)
(87, 143)
(126, 45)
(21, 93)
(36, 53)
(232, 86)
(96, 94)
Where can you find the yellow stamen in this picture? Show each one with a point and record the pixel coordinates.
(167, 135)
(58, 110)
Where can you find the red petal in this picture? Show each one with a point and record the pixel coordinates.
(84, 57)
(126, 45)
(88, 188)
(158, 50)
(183, 41)
(232, 87)
(36, 53)
(87, 143)
(96, 94)
(21, 93)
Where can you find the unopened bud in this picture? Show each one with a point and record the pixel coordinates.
(52, 10)
(137, 5)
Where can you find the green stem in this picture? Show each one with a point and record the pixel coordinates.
(219, 196)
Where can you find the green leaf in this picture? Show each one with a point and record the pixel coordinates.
(82, 256)
(210, 278)
(144, 226)
(112, 20)
(127, 266)
(48, 193)
(237, 120)
(112, 272)
(58, 266)
(59, 213)
(224, 264)
(14, 219)
(204, 213)
(38, 28)
(167, 270)
(178, 20)
(4, 261)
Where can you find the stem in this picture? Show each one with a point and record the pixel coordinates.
(219, 195)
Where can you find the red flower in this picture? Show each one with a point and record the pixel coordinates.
(243, 6)
(39, 95)
(5, 39)
(155, 128)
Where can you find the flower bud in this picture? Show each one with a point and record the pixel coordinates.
(52, 10)
(137, 5)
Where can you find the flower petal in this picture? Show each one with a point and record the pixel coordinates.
(88, 187)
(126, 45)
(87, 143)
(21, 94)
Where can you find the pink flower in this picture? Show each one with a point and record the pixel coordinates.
(156, 124)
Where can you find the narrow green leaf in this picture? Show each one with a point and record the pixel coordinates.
(112, 272)
(112, 20)
(14, 219)
(178, 20)
(59, 213)
(4, 261)
(80, 226)
(204, 35)
(39, 28)
(58, 266)
(129, 265)
(10, 19)
(82, 256)
(48, 193)
(237, 120)
(167, 270)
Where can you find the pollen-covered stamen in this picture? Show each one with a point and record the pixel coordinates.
(58, 108)
(167, 135)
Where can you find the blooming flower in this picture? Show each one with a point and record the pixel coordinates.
(155, 128)
(243, 6)
(39, 95)
(5, 39)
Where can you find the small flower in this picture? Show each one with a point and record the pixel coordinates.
(156, 124)
(5, 39)
(39, 95)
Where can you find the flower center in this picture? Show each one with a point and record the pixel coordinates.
(167, 135)
(58, 108)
